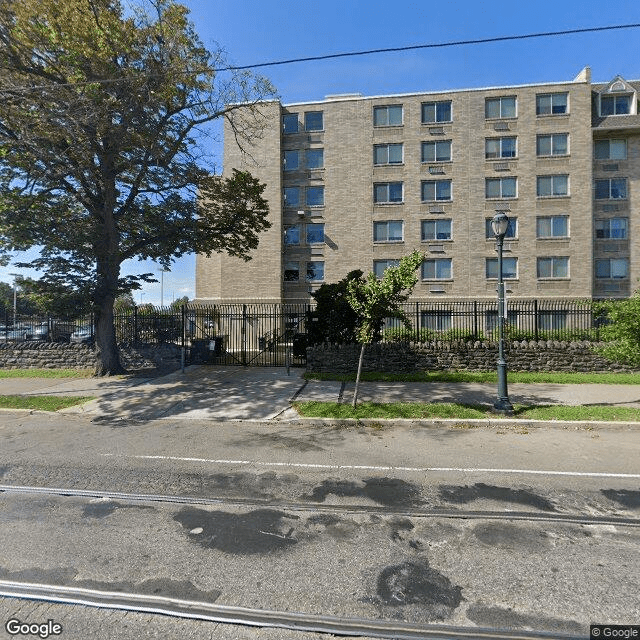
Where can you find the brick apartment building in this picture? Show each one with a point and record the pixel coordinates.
(358, 182)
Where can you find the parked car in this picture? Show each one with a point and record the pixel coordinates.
(15, 334)
(39, 332)
(83, 335)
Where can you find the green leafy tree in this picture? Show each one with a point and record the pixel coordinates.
(103, 115)
(53, 298)
(620, 331)
(124, 303)
(375, 299)
(24, 305)
(334, 320)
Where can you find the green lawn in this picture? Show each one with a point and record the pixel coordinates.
(416, 410)
(41, 403)
(485, 376)
(46, 373)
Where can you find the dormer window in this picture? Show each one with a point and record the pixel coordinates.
(619, 98)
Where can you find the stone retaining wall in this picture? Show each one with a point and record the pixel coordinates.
(51, 355)
(472, 356)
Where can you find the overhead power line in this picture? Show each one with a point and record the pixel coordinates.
(435, 45)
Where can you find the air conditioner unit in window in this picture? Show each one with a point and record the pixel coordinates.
(301, 214)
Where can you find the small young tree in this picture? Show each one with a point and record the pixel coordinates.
(374, 300)
(621, 332)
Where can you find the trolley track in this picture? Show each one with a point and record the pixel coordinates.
(465, 514)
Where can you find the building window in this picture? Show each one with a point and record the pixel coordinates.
(439, 229)
(314, 121)
(492, 319)
(291, 160)
(315, 158)
(387, 192)
(504, 107)
(380, 266)
(552, 186)
(315, 271)
(436, 190)
(612, 228)
(615, 268)
(552, 227)
(315, 196)
(553, 267)
(387, 116)
(512, 228)
(292, 234)
(388, 231)
(553, 144)
(388, 153)
(433, 112)
(611, 189)
(552, 320)
(509, 268)
(436, 151)
(551, 104)
(315, 233)
(290, 123)
(615, 105)
(437, 269)
(291, 271)
(438, 320)
(500, 148)
(291, 196)
(501, 187)
(610, 149)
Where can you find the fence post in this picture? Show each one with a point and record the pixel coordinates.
(135, 323)
(243, 333)
(475, 319)
(535, 318)
(417, 322)
(183, 316)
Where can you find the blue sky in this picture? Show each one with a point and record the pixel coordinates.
(255, 31)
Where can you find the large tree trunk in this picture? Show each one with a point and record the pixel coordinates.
(107, 355)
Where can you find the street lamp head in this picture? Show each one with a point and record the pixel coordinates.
(500, 224)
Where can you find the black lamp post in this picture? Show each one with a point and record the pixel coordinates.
(499, 226)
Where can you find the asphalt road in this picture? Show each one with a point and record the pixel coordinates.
(393, 523)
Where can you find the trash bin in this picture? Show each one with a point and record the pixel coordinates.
(300, 345)
(200, 351)
(216, 346)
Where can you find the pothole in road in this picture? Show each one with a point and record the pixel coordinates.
(415, 582)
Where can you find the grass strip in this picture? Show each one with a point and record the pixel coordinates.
(46, 373)
(42, 403)
(416, 410)
(485, 376)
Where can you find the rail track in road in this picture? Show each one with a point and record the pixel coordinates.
(543, 516)
(297, 621)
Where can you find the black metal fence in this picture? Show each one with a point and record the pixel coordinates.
(275, 334)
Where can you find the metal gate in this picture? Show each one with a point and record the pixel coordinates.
(259, 335)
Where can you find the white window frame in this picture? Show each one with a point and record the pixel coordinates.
(500, 100)
(381, 108)
(501, 153)
(614, 97)
(553, 178)
(551, 219)
(387, 262)
(438, 263)
(609, 142)
(551, 96)
(552, 141)
(505, 261)
(436, 221)
(387, 185)
(436, 319)
(501, 182)
(556, 262)
(610, 190)
(437, 184)
(617, 262)
(435, 145)
(380, 224)
(435, 104)
(603, 225)
(386, 146)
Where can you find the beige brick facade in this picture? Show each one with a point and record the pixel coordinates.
(532, 146)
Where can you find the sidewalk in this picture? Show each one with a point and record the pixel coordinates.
(264, 393)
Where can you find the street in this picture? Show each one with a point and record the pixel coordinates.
(527, 527)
